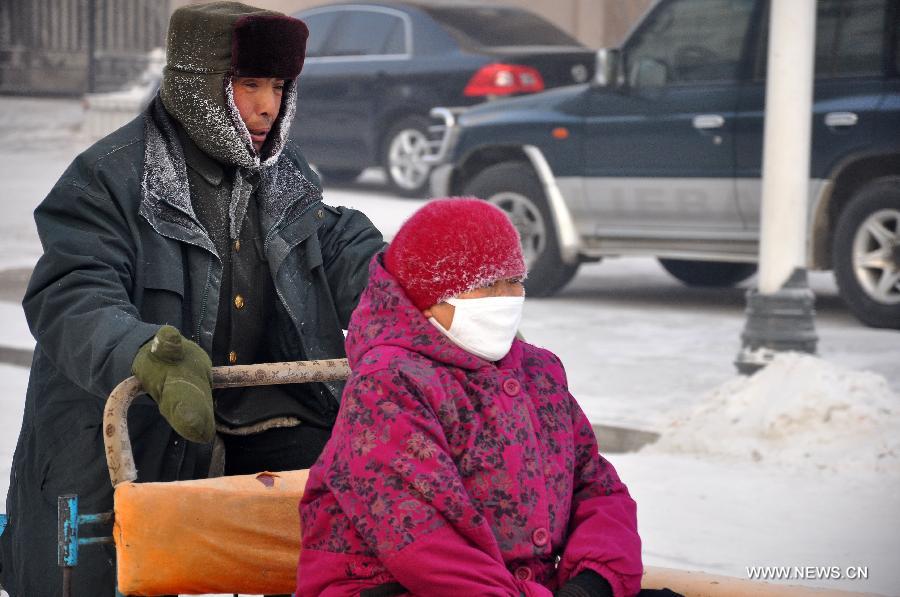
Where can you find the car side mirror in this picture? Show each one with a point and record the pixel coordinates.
(606, 72)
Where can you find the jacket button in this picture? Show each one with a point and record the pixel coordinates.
(511, 387)
(540, 537)
(238, 301)
(237, 245)
(232, 357)
(523, 573)
(320, 214)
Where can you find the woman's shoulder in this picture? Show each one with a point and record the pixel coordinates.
(538, 354)
(388, 361)
(541, 362)
(393, 374)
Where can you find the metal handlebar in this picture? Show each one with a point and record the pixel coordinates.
(119, 456)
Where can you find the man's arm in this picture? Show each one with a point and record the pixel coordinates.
(79, 300)
(349, 241)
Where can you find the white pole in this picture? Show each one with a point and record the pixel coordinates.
(781, 313)
(786, 144)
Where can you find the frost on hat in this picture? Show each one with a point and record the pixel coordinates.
(210, 43)
(451, 246)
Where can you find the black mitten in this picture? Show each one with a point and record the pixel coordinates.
(585, 584)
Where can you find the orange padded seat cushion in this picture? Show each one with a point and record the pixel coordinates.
(238, 534)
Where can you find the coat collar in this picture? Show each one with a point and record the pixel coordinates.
(198, 161)
(283, 194)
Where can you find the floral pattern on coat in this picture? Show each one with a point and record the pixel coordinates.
(456, 476)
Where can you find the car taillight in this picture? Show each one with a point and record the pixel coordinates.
(504, 79)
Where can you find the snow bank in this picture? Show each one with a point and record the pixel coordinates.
(799, 412)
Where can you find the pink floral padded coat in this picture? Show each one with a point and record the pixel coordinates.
(451, 475)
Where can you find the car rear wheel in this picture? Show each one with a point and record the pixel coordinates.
(514, 188)
(866, 254)
(403, 157)
(711, 274)
(340, 175)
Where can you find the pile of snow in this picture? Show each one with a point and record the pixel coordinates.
(799, 412)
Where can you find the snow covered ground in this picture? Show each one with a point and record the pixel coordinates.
(797, 466)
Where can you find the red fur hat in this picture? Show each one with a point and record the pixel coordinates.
(451, 246)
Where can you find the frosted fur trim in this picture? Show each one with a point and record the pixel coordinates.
(238, 123)
(165, 194)
(283, 191)
(278, 135)
(198, 103)
(204, 105)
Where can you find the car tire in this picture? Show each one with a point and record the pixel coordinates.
(402, 156)
(709, 274)
(340, 175)
(514, 188)
(866, 253)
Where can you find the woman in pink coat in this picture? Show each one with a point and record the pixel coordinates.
(460, 464)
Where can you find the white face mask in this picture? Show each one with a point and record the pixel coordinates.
(486, 326)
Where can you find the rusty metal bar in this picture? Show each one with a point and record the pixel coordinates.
(67, 581)
(119, 456)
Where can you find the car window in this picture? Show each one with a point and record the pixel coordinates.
(367, 33)
(320, 25)
(849, 39)
(851, 36)
(897, 43)
(690, 41)
(497, 27)
(895, 38)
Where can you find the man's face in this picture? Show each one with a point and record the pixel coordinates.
(258, 100)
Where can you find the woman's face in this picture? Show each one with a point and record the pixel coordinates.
(443, 312)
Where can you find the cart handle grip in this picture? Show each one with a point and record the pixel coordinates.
(119, 457)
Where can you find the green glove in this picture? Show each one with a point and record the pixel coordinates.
(176, 373)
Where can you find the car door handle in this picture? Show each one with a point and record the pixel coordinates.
(708, 121)
(840, 119)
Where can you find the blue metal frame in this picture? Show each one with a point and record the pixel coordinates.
(68, 540)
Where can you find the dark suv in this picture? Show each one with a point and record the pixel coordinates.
(375, 69)
(661, 154)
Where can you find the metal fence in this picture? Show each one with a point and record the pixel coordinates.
(69, 47)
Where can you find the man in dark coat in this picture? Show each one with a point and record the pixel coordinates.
(200, 216)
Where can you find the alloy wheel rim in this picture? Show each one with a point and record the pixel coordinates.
(876, 256)
(527, 219)
(406, 159)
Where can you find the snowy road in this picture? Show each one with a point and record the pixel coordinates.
(640, 350)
